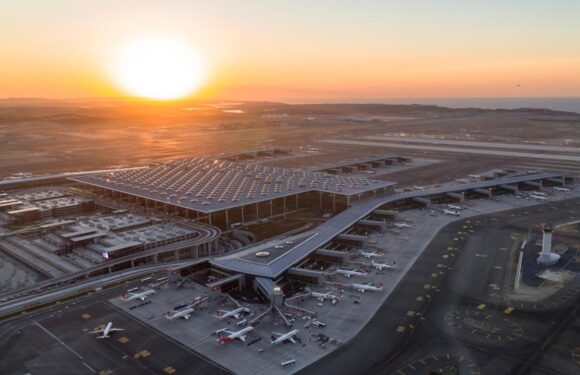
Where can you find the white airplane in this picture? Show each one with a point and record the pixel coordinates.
(369, 254)
(454, 207)
(386, 265)
(323, 296)
(284, 337)
(401, 225)
(450, 212)
(225, 335)
(223, 314)
(364, 287)
(564, 190)
(474, 176)
(142, 296)
(106, 331)
(185, 313)
(538, 197)
(350, 273)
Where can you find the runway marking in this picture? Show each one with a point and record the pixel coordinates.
(169, 370)
(123, 340)
(481, 255)
(65, 345)
(481, 306)
(410, 313)
(86, 316)
(419, 299)
(401, 329)
(498, 267)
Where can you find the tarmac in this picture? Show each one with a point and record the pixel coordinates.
(450, 311)
(343, 320)
(60, 343)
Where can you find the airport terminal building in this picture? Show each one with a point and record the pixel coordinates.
(222, 193)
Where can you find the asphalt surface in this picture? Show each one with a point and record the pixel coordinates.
(450, 309)
(59, 342)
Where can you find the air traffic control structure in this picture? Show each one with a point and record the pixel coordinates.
(222, 193)
(263, 267)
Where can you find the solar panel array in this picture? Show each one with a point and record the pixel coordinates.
(208, 185)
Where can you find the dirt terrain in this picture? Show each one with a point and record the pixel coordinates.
(42, 136)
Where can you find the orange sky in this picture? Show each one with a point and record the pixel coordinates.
(302, 50)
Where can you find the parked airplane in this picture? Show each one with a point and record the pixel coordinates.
(324, 296)
(369, 254)
(401, 225)
(185, 313)
(223, 314)
(106, 331)
(382, 266)
(225, 335)
(364, 287)
(284, 337)
(350, 273)
(450, 212)
(564, 190)
(142, 296)
(454, 207)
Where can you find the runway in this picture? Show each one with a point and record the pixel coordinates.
(472, 151)
(450, 311)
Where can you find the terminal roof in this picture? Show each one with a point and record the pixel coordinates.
(209, 185)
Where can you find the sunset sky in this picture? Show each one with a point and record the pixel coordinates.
(301, 49)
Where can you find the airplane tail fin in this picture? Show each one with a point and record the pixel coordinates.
(224, 339)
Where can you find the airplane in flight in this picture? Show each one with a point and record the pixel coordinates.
(401, 225)
(454, 207)
(142, 296)
(223, 314)
(225, 335)
(324, 296)
(350, 273)
(386, 265)
(106, 331)
(369, 254)
(364, 287)
(284, 337)
(185, 313)
(450, 212)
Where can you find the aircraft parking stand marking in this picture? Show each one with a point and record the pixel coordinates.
(86, 316)
(438, 362)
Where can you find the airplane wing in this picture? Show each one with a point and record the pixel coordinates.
(292, 340)
(98, 331)
(243, 338)
(277, 334)
(116, 329)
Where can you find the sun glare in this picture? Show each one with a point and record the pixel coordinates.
(158, 68)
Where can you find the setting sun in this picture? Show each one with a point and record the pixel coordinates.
(158, 68)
